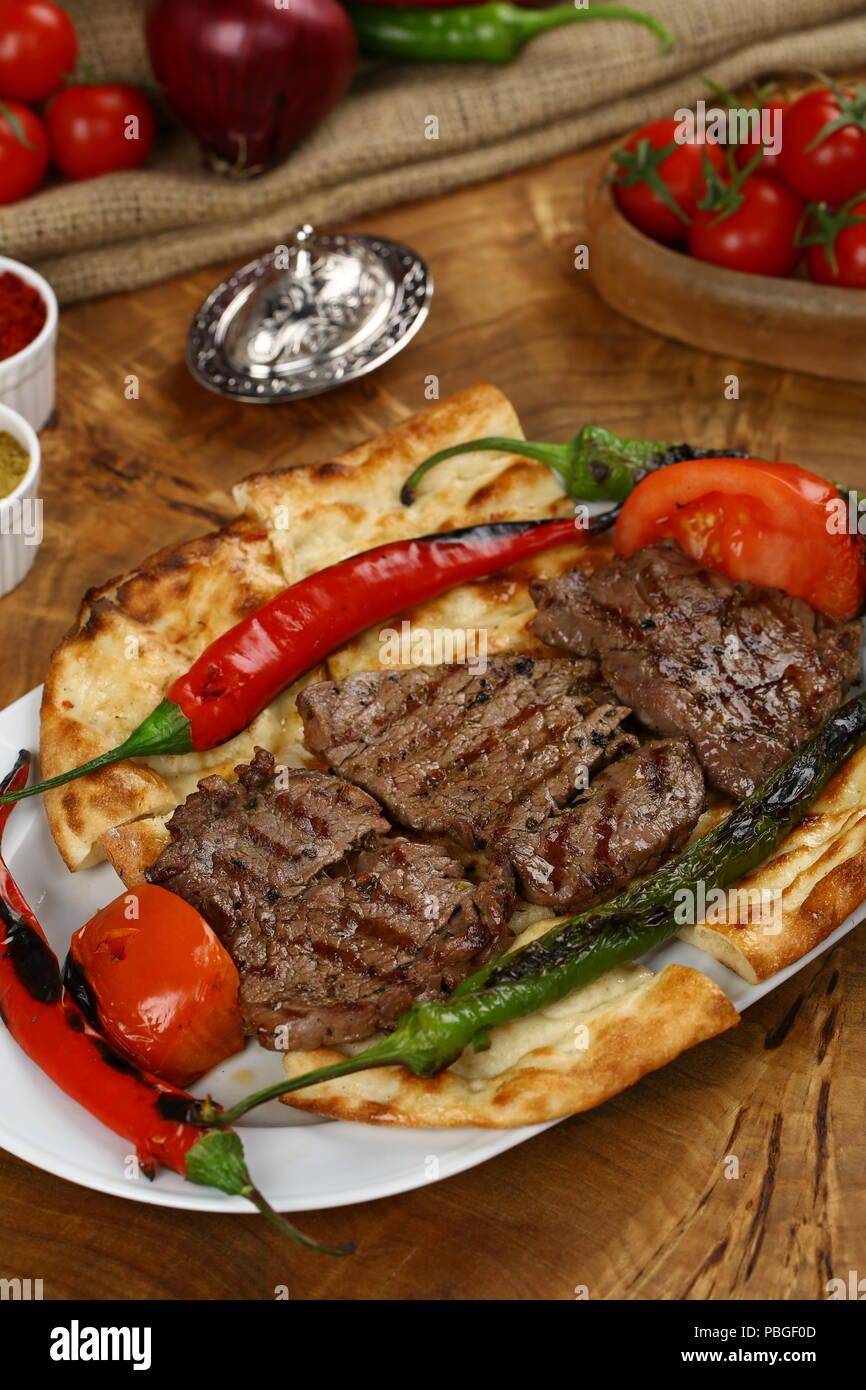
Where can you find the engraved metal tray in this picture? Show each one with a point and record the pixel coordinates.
(309, 316)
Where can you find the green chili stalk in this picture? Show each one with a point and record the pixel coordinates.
(572, 954)
(490, 33)
(595, 465)
(217, 1160)
(165, 730)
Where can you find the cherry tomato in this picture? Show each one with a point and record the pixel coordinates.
(650, 185)
(833, 169)
(23, 151)
(758, 237)
(97, 130)
(770, 166)
(841, 258)
(772, 524)
(159, 984)
(38, 48)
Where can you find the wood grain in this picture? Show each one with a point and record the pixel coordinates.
(633, 1200)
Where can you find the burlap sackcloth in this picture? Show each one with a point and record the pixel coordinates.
(567, 89)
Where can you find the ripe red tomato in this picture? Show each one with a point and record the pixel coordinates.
(23, 151)
(38, 48)
(757, 237)
(767, 523)
(833, 169)
(770, 166)
(159, 984)
(97, 130)
(658, 175)
(846, 246)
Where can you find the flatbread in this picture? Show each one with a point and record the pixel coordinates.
(361, 489)
(555, 1062)
(793, 902)
(132, 639)
(135, 635)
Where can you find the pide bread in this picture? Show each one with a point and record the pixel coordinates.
(134, 636)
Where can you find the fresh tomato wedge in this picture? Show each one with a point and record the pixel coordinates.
(773, 524)
(159, 983)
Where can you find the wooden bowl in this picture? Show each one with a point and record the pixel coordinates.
(793, 324)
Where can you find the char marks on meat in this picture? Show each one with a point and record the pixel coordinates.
(334, 925)
(451, 752)
(635, 811)
(747, 674)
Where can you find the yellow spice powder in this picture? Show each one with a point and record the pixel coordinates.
(14, 462)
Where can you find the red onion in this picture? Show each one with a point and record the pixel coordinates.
(250, 78)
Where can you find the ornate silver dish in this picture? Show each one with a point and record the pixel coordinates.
(309, 316)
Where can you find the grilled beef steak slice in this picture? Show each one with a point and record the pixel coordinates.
(635, 811)
(450, 752)
(335, 927)
(746, 673)
(346, 957)
(261, 837)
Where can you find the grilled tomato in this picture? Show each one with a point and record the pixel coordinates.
(157, 982)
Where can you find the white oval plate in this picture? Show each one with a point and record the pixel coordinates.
(299, 1162)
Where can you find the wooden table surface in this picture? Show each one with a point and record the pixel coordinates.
(634, 1200)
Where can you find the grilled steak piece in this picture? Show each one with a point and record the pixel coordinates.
(635, 811)
(234, 844)
(450, 752)
(335, 926)
(746, 673)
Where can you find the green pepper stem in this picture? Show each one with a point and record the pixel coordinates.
(528, 23)
(165, 730)
(595, 465)
(387, 1053)
(556, 456)
(217, 1160)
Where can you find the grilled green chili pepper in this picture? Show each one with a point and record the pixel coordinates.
(597, 464)
(492, 33)
(430, 1036)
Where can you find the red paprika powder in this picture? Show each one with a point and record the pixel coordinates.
(22, 314)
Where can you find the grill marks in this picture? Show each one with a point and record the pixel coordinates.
(506, 759)
(335, 925)
(449, 752)
(634, 811)
(747, 674)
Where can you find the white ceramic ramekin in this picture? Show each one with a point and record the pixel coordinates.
(21, 511)
(27, 379)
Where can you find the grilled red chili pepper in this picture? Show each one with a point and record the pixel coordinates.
(241, 672)
(49, 1026)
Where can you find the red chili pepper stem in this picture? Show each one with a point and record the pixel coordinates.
(165, 730)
